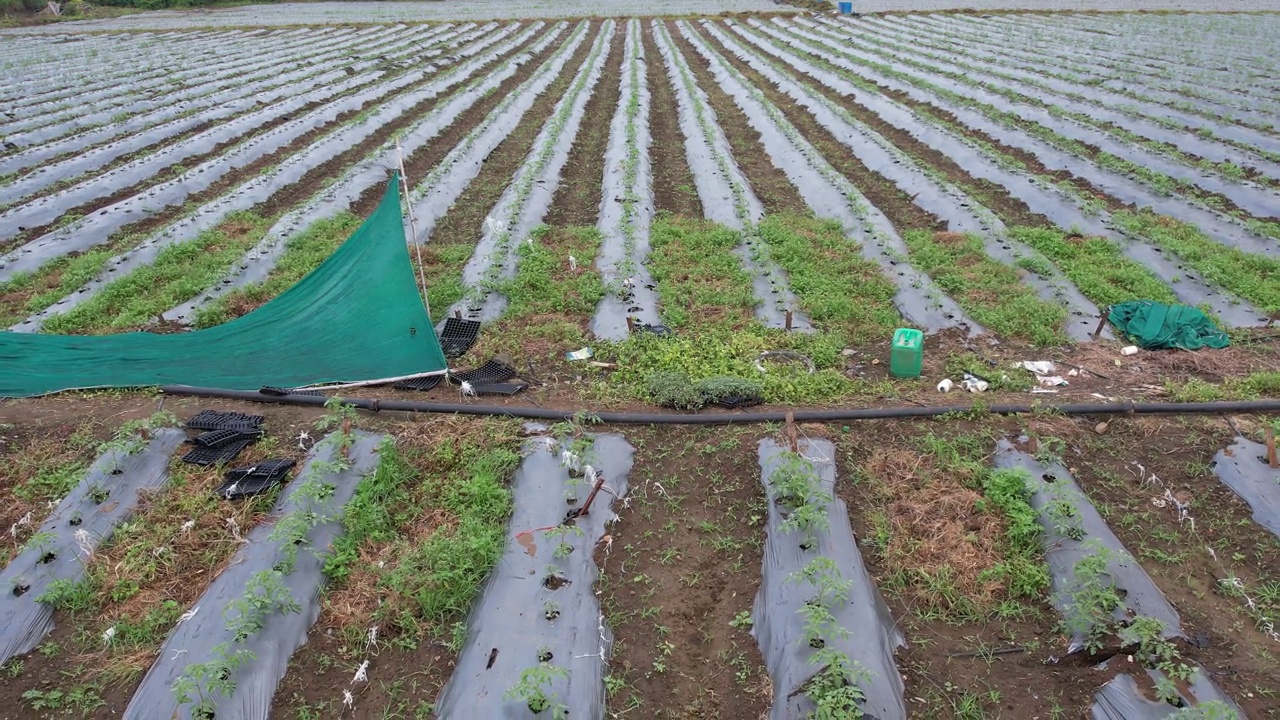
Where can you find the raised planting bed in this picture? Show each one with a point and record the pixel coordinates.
(826, 635)
(55, 556)
(537, 641)
(229, 651)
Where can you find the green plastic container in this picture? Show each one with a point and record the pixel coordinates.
(907, 354)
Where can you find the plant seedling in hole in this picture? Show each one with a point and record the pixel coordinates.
(551, 609)
(98, 494)
(530, 690)
(544, 653)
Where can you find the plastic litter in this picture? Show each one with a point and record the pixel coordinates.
(522, 611)
(197, 639)
(582, 354)
(80, 523)
(1243, 467)
(778, 625)
(945, 386)
(223, 452)
(786, 357)
(1083, 533)
(974, 384)
(1129, 350)
(1120, 699)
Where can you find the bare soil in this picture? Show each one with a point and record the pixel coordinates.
(673, 189)
(577, 198)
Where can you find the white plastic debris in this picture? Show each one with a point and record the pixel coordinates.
(362, 673)
(109, 635)
(466, 390)
(945, 385)
(582, 354)
(1039, 367)
(973, 384)
(573, 263)
(1130, 350)
(1051, 380)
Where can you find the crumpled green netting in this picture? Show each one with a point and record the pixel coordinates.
(357, 317)
(1154, 325)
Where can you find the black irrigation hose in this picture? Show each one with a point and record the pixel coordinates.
(631, 418)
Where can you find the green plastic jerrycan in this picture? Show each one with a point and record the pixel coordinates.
(907, 354)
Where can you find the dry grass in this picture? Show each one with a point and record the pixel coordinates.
(936, 531)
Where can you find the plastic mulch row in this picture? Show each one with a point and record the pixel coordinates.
(217, 420)
(422, 383)
(248, 481)
(457, 336)
(488, 374)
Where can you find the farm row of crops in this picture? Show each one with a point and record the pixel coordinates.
(1062, 571)
(1000, 179)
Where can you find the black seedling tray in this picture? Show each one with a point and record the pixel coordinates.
(218, 438)
(659, 330)
(422, 383)
(282, 391)
(457, 336)
(248, 481)
(205, 457)
(739, 401)
(499, 388)
(487, 374)
(217, 420)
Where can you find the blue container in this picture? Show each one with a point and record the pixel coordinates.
(846, 8)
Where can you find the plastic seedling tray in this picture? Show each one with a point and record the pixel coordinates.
(221, 454)
(282, 391)
(422, 383)
(218, 420)
(490, 373)
(499, 388)
(457, 336)
(248, 481)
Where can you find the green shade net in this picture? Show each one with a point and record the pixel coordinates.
(1155, 326)
(357, 317)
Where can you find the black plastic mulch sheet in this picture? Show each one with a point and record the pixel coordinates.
(82, 521)
(1243, 467)
(1084, 533)
(779, 627)
(1120, 699)
(508, 625)
(196, 639)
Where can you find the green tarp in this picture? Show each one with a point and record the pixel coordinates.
(357, 317)
(1155, 326)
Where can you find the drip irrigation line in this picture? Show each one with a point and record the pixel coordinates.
(779, 416)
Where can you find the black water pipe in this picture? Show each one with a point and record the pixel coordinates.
(731, 418)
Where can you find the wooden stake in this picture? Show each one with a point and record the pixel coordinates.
(631, 324)
(413, 227)
(788, 320)
(791, 432)
(457, 314)
(1102, 322)
(586, 506)
(1271, 448)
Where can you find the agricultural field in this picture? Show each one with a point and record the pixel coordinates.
(726, 210)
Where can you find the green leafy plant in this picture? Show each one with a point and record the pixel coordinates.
(533, 690)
